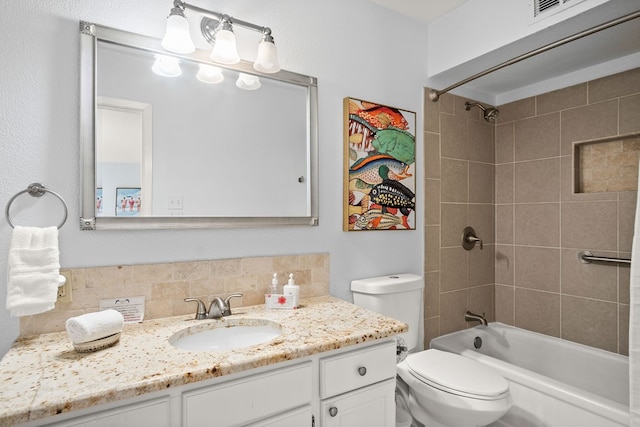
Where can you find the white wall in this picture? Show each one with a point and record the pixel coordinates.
(339, 42)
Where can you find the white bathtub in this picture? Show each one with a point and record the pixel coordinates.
(554, 382)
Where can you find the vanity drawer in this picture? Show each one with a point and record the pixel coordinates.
(249, 399)
(349, 371)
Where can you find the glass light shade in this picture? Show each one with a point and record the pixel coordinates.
(166, 66)
(225, 50)
(248, 82)
(267, 61)
(209, 74)
(177, 38)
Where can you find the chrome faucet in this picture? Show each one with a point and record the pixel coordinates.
(472, 317)
(217, 309)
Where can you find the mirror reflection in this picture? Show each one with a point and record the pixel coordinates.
(179, 137)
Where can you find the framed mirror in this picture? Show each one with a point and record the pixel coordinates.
(176, 141)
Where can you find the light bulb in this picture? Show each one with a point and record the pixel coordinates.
(177, 38)
(209, 74)
(267, 60)
(248, 82)
(166, 66)
(224, 50)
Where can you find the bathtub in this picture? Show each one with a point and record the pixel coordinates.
(554, 382)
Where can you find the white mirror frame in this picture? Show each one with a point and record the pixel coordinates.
(89, 35)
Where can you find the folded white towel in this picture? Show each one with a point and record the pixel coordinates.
(33, 271)
(93, 326)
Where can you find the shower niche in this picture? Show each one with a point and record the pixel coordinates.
(606, 164)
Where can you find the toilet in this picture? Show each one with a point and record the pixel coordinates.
(439, 389)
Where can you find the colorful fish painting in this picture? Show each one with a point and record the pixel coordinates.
(379, 187)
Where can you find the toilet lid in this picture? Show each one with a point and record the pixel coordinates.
(457, 374)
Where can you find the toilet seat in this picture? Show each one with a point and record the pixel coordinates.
(457, 375)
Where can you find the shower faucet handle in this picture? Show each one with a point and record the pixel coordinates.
(469, 239)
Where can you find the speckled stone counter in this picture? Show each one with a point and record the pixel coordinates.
(43, 375)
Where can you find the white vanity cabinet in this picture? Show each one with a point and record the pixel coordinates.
(350, 387)
(357, 388)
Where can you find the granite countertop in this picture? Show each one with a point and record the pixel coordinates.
(43, 375)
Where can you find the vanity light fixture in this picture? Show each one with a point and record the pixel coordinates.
(166, 66)
(248, 82)
(217, 29)
(209, 74)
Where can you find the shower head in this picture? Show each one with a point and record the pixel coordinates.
(490, 114)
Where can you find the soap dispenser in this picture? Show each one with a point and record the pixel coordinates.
(291, 290)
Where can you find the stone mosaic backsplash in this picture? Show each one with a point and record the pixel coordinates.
(165, 286)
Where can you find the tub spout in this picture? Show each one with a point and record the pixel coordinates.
(472, 317)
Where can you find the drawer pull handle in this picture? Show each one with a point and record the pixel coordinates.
(362, 371)
(333, 411)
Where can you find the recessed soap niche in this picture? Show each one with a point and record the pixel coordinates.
(606, 164)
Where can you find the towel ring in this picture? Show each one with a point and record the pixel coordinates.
(36, 190)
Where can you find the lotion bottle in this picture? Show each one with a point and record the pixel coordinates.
(291, 290)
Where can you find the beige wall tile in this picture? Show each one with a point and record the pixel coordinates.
(537, 181)
(538, 311)
(432, 294)
(504, 304)
(537, 224)
(589, 122)
(517, 110)
(537, 137)
(480, 300)
(614, 86)
(590, 322)
(562, 99)
(624, 280)
(454, 181)
(590, 225)
(630, 114)
(623, 329)
(431, 330)
(594, 280)
(504, 183)
(453, 305)
(481, 182)
(626, 212)
(454, 220)
(431, 113)
(482, 219)
(504, 224)
(453, 269)
(481, 145)
(432, 248)
(567, 189)
(454, 137)
(432, 155)
(432, 202)
(482, 266)
(537, 268)
(505, 143)
(505, 264)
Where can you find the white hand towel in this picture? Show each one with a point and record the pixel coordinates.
(93, 326)
(33, 270)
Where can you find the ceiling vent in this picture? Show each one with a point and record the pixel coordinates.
(540, 7)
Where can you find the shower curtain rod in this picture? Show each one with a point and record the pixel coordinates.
(434, 95)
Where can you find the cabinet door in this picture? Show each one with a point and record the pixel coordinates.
(297, 418)
(372, 406)
(153, 413)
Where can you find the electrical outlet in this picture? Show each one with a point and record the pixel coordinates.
(175, 202)
(64, 293)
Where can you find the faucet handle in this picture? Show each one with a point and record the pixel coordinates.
(201, 312)
(227, 306)
(469, 239)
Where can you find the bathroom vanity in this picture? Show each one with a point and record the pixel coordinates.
(333, 364)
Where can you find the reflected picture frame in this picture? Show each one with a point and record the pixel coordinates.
(128, 201)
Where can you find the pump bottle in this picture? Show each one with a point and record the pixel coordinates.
(291, 290)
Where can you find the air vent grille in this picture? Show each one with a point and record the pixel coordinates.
(542, 6)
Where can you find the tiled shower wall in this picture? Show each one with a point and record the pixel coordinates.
(520, 202)
(459, 171)
(541, 225)
(165, 286)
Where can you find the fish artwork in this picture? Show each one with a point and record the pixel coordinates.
(392, 194)
(367, 169)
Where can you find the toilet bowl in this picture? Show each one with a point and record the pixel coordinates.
(447, 389)
(439, 389)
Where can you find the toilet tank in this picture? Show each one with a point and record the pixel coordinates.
(398, 296)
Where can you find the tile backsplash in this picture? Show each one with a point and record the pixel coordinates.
(164, 286)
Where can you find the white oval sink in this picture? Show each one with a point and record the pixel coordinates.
(225, 336)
